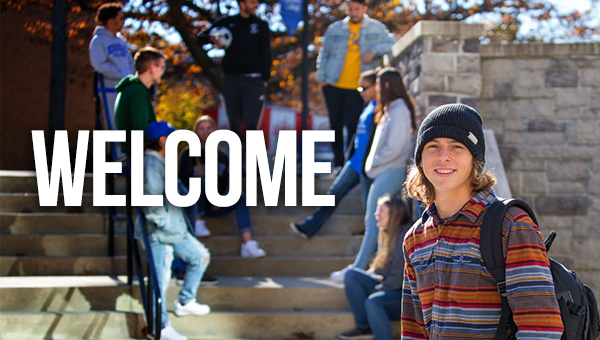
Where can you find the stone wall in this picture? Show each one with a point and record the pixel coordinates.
(440, 63)
(543, 103)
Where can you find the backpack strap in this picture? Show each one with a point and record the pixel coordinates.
(490, 243)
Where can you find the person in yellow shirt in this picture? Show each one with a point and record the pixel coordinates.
(351, 46)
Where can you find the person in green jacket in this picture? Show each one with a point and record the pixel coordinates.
(133, 107)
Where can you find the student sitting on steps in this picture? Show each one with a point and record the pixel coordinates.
(375, 296)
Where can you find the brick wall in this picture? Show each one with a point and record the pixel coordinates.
(543, 103)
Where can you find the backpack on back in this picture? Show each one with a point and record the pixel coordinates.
(578, 307)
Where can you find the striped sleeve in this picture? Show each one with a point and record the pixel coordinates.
(413, 326)
(529, 284)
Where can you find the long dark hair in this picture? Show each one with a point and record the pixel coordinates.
(388, 235)
(391, 87)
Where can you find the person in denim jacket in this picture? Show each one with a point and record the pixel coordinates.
(169, 235)
(350, 47)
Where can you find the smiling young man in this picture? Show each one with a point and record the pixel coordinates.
(350, 46)
(448, 292)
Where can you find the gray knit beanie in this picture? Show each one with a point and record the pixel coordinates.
(456, 121)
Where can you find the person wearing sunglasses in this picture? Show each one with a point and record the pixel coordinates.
(352, 173)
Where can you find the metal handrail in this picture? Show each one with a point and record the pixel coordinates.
(150, 292)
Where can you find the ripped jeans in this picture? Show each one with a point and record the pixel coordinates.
(190, 250)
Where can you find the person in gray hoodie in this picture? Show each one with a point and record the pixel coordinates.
(109, 53)
(390, 153)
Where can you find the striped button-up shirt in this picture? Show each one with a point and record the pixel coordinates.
(448, 292)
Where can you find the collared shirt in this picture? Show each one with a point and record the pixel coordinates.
(449, 293)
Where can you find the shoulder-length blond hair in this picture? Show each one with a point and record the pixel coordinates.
(388, 235)
(419, 187)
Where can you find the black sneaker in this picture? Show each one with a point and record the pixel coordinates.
(298, 230)
(358, 334)
(209, 280)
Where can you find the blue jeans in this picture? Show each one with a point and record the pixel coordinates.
(242, 213)
(372, 308)
(345, 181)
(189, 250)
(389, 182)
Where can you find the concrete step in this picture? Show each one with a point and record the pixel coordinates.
(293, 266)
(103, 293)
(26, 182)
(97, 245)
(63, 223)
(27, 203)
(216, 325)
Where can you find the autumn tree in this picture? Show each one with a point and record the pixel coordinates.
(188, 17)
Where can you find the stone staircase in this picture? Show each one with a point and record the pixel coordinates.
(57, 282)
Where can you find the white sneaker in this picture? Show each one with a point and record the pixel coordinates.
(340, 274)
(200, 229)
(251, 249)
(191, 308)
(169, 333)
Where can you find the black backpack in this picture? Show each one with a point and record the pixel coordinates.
(577, 302)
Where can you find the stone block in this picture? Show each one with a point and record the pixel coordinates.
(497, 69)
(561, 78)
(508, 155)
(587, 254)
(496, 125)
(487, 89)
(596, 165)
(542, 109)
(529, 80)
(590, 78)
(562, 205)
(503, 89)
(569, 171)
(468, 63)
(535, 183)
(533, 64)
(564, 63)
(594, 185)
(595, 99)
(567, 188)
(465, 84)
(543, 152)
(435, 63)
(505, 109)
(564, 113)
(556, 222)
(444, 45)
(591, 114)
(584, 133)
(546, 127)
(596, 204)
(512, 138)
(432, 83)
(581, 152)
(571, 97)
(435, 100)
(515, 125)
(533, 93)
(514, 182)
(414, 85)
(586, 226)
(545, 138)
(472, 102)
(471, 45)
(530, 165)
